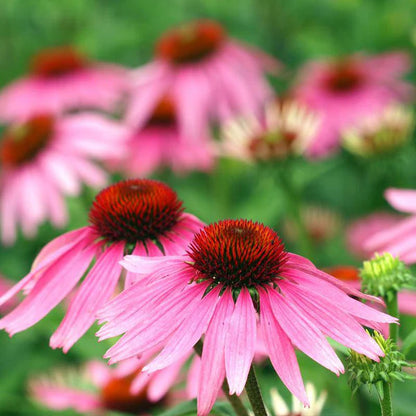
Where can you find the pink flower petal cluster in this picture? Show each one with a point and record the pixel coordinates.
(208, 76)
(235, 284)
(61, 79)
(45, 158)
(346, 90)
(160, 143)
(99, 389)
(144, 217)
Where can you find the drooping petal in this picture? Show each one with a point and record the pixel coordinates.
(240, 342)
(188, 333)
(281, 351)
(158, 326)
(213, 355)
(52, 286)
(95, 290)
(303, 333)
(332, 321)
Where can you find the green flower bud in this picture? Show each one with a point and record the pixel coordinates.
(384, 275)
(364, 371)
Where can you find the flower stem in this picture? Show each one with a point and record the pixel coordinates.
(293, 208)
(393, 310)
(233, 399)
(385, 402)
(254, 394)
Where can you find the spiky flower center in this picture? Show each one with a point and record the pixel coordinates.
(237, 254)
(56, 62)
(344, 77)
(164, 113)
(116, 396)
(191, 42)
(23, 142)
(135, 210)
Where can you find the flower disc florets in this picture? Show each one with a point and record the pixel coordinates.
(55, 62)
(344, 77)
(135, 210)
(191, 42)
(116, 395)
(237, 254)
(164, 113)
(21, 143)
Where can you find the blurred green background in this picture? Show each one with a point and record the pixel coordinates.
(124, 32)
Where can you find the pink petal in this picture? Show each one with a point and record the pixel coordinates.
(162, 381)
(61, 397)
(332, 321)
(53, 285)
(280, 350)
(213, 355)
(338, 298)
(303, 333)
(95, 290)
(240, 342)
(188, 333)
(158, 326)
(192, 382)
(402, 199)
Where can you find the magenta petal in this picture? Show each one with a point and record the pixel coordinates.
(303, 333)
(163, 380)
(210, 381)
(51, 287)
(240, 342)
(157, 326)
(188, 333)
(95, 290)
(402, 199)
(281, 351)
(332, 321)
(58, 397)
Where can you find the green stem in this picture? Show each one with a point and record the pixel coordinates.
(234, 400)
(293, 206)
(254, 394)
(393, 310)
(385, 402)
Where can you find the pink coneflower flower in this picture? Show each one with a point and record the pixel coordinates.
(44, 159)
(62, 79)
(351, 276)
(99, 389)
(208, 76)
(285, 130)
(399, 238)
(381, 133)
(236, 281)
(159, 143)
(345, 90)
(360, 230)
(139, 216)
